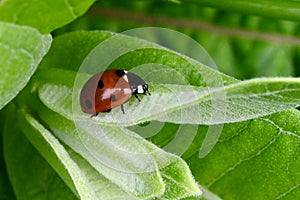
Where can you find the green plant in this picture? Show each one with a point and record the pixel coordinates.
(50, 152)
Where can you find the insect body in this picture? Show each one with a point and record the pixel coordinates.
(110, 88)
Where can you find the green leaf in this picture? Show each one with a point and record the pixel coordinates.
(85, 45)
(236, 102)
(233, 103)
(68, 51)
(21, 48)
(81, 177)
(30, 175)
(43, 15)
(126, 159)
(185, 104)
(260, 155)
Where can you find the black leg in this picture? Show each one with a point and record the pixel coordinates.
(136, 96)
(122, 108)
(94, 115)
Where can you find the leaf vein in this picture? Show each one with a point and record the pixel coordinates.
(71, 9)
(242, 161)
(178, 183)
(281, 130)
(13, 50)
(288, 191)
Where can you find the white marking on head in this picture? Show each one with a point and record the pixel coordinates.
(125, 77)
(140, 89)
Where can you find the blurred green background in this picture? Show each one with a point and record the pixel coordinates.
(242, 45)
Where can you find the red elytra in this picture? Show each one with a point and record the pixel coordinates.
(109, 89)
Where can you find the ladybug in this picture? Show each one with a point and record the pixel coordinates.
(109, 89)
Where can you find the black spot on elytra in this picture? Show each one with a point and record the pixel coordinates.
(88, 104)
(100, 84)
(113, 98)
(120, 73)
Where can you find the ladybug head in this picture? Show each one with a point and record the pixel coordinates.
(143, 89)
(137, 85)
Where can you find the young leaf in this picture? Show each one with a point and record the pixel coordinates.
(187, 104)
(21, 48)
(75, 171)
(126, 159)
(44, 15)
(236, 102)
